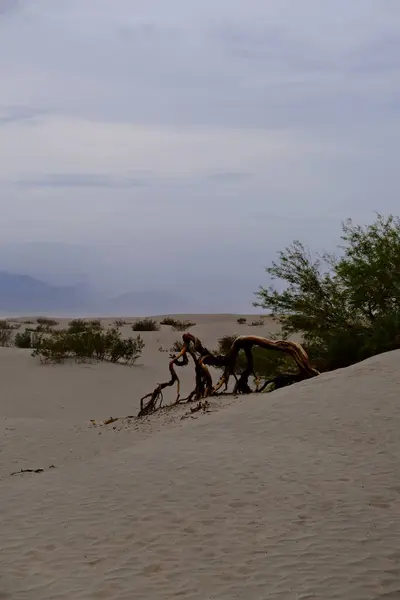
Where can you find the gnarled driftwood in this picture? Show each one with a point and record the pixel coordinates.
(204, 358)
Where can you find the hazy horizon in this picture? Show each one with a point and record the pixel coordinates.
(177, 147)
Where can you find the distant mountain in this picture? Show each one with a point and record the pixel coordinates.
(25, 294)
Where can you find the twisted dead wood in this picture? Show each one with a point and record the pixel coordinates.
(203, 358)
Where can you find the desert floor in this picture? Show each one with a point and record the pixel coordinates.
(293, 495)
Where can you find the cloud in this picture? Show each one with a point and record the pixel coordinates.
(82, 180)
(11, 114)
(243, 124)
(8, 6)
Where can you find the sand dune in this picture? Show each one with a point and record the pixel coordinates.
(289, 495)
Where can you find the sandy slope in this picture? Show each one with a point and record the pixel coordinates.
(292, 495)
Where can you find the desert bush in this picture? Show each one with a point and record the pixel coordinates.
(177, 324)
(80, 325)
(168, 321)
(6, 325)
(267, 363)
(241, 320)
(77, 326)
(182, 325)
(23, 339)
(44, 321)
(6, 333)
(257, 323)
(87, 344)
(346, 308)
(95, 324)
(145, 325)
(119, 323)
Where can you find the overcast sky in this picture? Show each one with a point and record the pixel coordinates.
(197, 136)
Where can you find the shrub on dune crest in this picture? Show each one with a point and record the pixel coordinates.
(177, 324)
(145, 325)
(6, 333)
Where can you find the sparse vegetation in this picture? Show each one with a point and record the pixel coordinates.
(241, 320)
(23, 339)
(346, 308)
(90, 343)
(119, 323)
(257, 323)
(183, 325)
(77, 326)
(177, 324)
(44, 321)
(6, 333)
(168, 321)
(80, 325)
(146, 324)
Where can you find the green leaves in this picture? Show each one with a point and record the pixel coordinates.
(346, 308)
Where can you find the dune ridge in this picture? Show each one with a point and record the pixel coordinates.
(289, 495)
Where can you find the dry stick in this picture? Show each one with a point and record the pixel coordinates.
(204, 387)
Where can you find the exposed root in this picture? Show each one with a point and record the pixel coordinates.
(203, 358)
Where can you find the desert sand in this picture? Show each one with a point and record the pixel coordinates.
(292, 495)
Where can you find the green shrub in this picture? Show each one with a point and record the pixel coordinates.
(267, 363)
(182, 325)
(168, 321)
(346, 308)
(44, 321)
(119, 323)
(23, 339)
(6, 333)
(88, 344)
(77, 326)
(177, 324)
(145, 325)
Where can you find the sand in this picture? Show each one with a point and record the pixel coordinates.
(292, 495)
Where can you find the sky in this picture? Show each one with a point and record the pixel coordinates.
(182, 144)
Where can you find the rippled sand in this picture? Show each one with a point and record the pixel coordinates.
(293, 495)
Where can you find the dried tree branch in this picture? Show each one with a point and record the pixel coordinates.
(203, 358)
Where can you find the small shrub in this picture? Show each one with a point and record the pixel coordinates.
(23, 339)
(5, 336)
(146, 325)
(41, 329)
(44, 321)
(87, 344)
(119, 322)
(77, 326)
(257, 323)
(168, 321)
(177, 324)
(242, 320)
(182, 325)
(6, 325)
